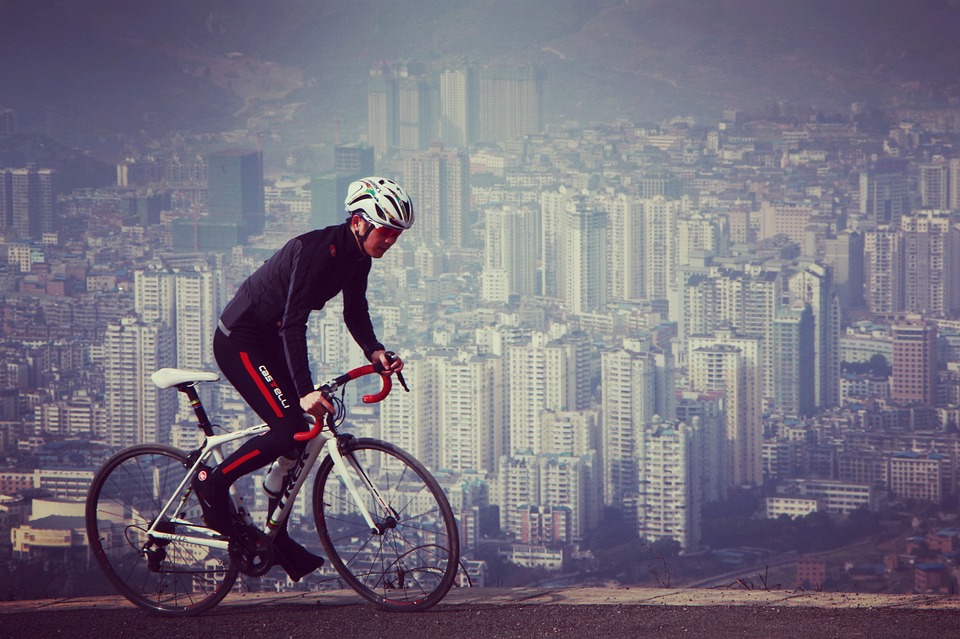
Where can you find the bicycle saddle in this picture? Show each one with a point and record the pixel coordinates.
(167, 377)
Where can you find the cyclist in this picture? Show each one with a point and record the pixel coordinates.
(261, 346)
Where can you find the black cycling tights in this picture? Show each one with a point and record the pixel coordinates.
(258, 370)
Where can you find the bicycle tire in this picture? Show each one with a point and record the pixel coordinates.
(169, 578)
(413, 564)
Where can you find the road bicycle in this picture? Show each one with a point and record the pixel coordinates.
(383, 520)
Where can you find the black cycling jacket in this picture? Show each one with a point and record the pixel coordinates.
(299, 278)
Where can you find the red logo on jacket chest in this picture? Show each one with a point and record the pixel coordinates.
(333, 251)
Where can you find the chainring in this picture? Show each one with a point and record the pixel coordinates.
(251, 551)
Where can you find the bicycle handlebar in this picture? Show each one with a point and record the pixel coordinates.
(330, 387)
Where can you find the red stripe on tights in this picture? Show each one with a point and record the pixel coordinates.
(263, 387)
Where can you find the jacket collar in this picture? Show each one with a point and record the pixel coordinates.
(348, 243)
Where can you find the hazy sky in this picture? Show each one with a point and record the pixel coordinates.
(100, 65)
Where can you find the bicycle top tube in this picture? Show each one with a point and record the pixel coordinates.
(337, 382)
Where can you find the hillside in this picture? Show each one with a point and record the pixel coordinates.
(92, 68)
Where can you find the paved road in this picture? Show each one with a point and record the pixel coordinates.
(573, 613)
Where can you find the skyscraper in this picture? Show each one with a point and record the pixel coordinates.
(933, 182)
(931, 263)
(235, 203)
(382, 109)
(510, 252)
(235, 189)
(458, 106)
(629, 385)
(400, 112)
(883, 192)
(544, 376)
(883, 270)
(471, 413)
(794, 352)
(136, 410)
(730, 364)
(510, 102)
(583, 260)
(438, 182)
(669, 500)
(28, 201)
(626, 248)
(812, 284)
(914, 378)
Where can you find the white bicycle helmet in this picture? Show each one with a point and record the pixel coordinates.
(380, 201)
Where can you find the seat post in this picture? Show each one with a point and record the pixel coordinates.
(203, 422)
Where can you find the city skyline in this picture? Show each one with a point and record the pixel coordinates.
(647, 316)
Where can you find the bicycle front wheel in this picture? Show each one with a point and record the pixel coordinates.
(410, 560)
(168, 577)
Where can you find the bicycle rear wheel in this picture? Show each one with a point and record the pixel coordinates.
(410, 562)
(171, 578)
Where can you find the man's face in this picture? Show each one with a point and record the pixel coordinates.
(379, 240)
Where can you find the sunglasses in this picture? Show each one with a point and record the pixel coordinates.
(387, 233)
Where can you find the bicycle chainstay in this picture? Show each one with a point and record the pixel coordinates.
(251, 551)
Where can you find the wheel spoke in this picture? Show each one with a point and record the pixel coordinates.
(412, 562)
(169, 577)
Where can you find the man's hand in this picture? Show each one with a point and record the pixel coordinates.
(316, 404)
(391, 363)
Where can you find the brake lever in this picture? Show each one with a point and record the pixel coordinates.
(391, 356)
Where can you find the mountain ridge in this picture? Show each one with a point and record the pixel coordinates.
(99, 67)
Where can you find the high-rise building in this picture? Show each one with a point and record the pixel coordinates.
(914, 378)
(785, 218)
(353, 159)
(933, 182)
(28, 201)
(543, 483)
(382, 109)
(412, 420)
(629, 382)
(844, 255)
(706, 411)
(327, 194)
(510, 253)
(669, 500)
(136, 410)
(626, 249)
(235, 204)
(931, 263)
(438, 182)
(794, 350)
(415, 126)
(510, 102)
(730, 364)
(883, 192)
(553, 205)
(583, 260)
(953, 183)
(471, 414)
(400, 110)
(199, 296)
(660, 240)
(812, 284)
(545, 375)
(458, 105)
(883, 270)
(235, 189)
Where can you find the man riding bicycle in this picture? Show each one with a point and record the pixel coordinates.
(261, 347)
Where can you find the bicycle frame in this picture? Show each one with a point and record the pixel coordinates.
(318, 442)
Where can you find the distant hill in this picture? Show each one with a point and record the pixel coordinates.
(89, 69)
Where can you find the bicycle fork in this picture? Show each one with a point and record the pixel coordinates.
(340, 464)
